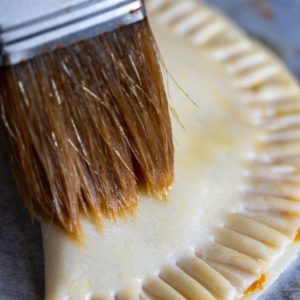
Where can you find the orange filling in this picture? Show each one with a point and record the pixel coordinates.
(297, 236)
(256, 285)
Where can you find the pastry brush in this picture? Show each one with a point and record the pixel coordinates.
(84, 107)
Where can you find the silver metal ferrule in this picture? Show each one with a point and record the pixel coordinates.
(31, 27)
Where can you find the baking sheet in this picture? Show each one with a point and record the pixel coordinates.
(275, 23)
(21, 255)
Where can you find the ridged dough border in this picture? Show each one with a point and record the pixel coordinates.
(256, 234)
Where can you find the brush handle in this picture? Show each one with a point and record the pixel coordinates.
(31, 27)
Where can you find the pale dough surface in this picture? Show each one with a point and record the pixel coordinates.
(209, 151)
(213, 139)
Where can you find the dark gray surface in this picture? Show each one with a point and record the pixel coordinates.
(276, 23)
(21, 258)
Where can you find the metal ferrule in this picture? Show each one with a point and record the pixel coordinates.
(28, 28)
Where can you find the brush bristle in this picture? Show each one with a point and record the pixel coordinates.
(88, 127)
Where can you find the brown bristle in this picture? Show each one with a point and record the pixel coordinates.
(88, 127)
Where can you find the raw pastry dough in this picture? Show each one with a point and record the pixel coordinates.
(233, 210)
